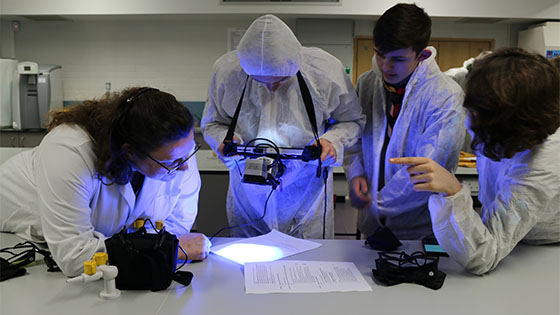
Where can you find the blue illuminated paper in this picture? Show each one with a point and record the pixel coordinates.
(269, 247)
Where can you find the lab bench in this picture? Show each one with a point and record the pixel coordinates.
(525, 282)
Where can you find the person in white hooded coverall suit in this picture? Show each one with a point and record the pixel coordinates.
(514, 116)
(266, 61)
(429, 123)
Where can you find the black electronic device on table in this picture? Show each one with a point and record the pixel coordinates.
(431, 247)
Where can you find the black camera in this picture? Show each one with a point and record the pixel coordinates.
(146, 261)
(264, 164)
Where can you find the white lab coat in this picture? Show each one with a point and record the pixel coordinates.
(297, 207)
(51, 193)
(430, 124)
(520, 202)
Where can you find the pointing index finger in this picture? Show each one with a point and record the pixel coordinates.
(408, 160)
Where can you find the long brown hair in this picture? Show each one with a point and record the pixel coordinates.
(145, 118)
(514, 102)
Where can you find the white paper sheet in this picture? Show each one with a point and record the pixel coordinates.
(287, 276)
(269, 247)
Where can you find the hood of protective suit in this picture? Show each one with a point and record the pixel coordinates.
(270, 48)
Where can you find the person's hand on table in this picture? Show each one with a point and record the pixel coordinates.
(196, 245)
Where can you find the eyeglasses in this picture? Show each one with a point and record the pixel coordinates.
(177, 164)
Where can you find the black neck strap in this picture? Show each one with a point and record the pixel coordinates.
(307, 100)
(231, 129)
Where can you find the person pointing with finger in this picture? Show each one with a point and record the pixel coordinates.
(514, 117)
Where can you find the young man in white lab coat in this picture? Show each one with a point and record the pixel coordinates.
(412, 109)
(102, 165)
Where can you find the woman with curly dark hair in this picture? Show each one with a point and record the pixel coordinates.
(102, 165)
(513, 101)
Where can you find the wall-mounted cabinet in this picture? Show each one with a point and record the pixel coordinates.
(21, 138)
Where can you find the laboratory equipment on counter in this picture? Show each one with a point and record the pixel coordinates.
(40, 90)
(9, 90)
(542, 38)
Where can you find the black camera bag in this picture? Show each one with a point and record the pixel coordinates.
(146, 261)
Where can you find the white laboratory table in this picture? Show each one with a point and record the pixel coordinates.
(526, 282)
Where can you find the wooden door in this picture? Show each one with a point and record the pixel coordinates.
(452, 54)
(363, 54)
(476, 47)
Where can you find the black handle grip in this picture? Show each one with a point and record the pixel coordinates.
(310, 153)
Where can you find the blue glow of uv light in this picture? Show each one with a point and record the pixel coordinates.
(272, 135)
(244, 253)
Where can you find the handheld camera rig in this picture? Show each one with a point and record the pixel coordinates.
(264, 160)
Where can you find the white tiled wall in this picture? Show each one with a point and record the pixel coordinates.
(174, 55)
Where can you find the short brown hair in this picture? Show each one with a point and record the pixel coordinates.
(402, 26)
(513, 101)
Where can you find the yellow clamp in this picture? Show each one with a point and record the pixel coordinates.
(90, 268)
(159, 224)
(100, 258)
(138, 223)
